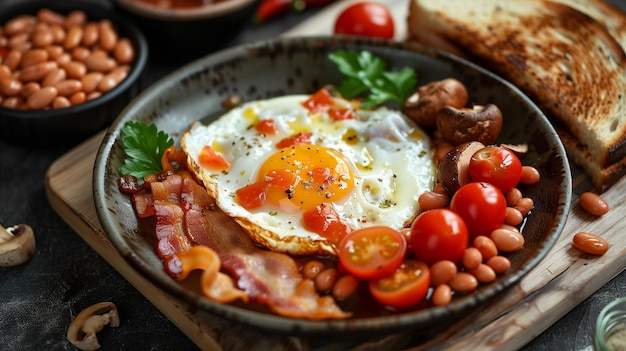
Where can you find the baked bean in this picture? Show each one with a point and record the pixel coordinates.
(464, 282)
(442, 272)
(54, 51)
(513, 196)
(590, 243)
(10, 86)
(13, 59)
(34, 57)
(64, 58)
(90, 34)
(68, 87)
(432, 200)
(80, 53)
(90, 81)
(107, 35)
(442, 295)
(93, 95)
(61, 102)
(507, 240)
(76, 18)
(53, 77)
(75, 69)
(311, 269)
(124, 52)
(73, 38)
(486, 246)
(41, 98)
(325, 280)
(17, 40)
(524, 205)
(99, 63)
(594, 204)
(499, 264)
(530, 175)
(472, 258)
(113, 78)
(29, 88)
(43, 38)
(59, 34)
(13, 102)
(483, 273)
(5, 72)
(23, 47)
(513, 216)
(78, 98)
(38, 71)
(345, 287)
(50, 17)
(19, 24)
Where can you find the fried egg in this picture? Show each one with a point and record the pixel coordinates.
(370, 166)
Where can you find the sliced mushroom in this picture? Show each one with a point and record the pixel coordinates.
(423, 105)
(17, 245)
(480, 123)
(452, 170)
(83, 329)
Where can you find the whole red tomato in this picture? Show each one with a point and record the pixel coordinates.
(439, 234)
(496, 165)
(369, 19)
(481, 205)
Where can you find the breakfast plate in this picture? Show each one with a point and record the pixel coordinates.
(279, 67)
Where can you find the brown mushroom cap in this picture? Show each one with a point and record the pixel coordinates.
(424, 105)
(480, 123)
(17, 245)
(452, 169)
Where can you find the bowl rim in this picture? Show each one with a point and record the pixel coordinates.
(204, 12)
(130, 30)
(339, 328)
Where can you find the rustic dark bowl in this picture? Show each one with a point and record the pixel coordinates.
(70, 125)
(300, 65)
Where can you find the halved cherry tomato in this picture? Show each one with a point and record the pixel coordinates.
(209, 158)
(368, 19)
(320, 101)
(251, 196)
(481, 205)
(297, 139)
(439, 234)
(496, 165)
(266, 126)
(372, 252)
(406, 287)
(325, 221)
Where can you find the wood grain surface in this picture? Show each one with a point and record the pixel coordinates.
(556, 285)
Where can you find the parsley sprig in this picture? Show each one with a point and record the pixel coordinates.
(144, 146)
(366, 72)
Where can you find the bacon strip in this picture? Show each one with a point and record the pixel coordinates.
(267, 277)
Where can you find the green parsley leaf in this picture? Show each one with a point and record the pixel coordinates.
(144, 146)
(366, 72)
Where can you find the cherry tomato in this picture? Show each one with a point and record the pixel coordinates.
(406, 287)
(481, 205)
(439, 234)
(366, 19)
(372, 252)
(496, 165)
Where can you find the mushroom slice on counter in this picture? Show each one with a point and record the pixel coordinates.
(83, 329)
(17, 245)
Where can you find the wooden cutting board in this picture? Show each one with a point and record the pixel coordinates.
(556, 285)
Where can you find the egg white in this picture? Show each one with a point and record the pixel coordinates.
(392, 163)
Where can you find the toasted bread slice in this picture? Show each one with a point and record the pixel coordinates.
(567, 61)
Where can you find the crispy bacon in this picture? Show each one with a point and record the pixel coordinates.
(267, 277)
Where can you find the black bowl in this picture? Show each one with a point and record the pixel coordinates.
(183, 34)
(301, 65)
(70, 125)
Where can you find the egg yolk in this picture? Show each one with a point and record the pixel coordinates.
(301, 177)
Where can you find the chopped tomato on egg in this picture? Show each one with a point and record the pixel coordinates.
(406, 287)
(340, 114)
(280, 178)
(372, 252)
(266, 126)
(251, 196)
(296, 139)
(320, 101)
(325, 221)
(211, 159)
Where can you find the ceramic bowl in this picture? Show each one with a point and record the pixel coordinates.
(183, 33)
(301, 65)
(44, 127)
